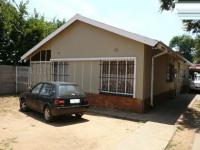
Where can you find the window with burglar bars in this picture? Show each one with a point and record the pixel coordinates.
(60, 71)
(117, 77)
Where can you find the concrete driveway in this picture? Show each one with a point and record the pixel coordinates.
(169, 111)
(28, 131)
(166, 112)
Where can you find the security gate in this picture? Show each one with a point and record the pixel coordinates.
(22, 79)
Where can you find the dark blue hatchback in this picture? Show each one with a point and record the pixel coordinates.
(55, 99)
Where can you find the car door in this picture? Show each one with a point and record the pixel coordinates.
(45, 96)
(34, 96)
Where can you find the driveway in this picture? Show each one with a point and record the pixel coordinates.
(166, 112)
(169, 111)
(28, 131)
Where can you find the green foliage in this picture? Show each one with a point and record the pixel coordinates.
(197, 47)
(167, 4)
(192, 25)
(20, 31)
(185, 46)
(188, 47)
(189, 25)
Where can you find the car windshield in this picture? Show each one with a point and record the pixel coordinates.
(66, 89)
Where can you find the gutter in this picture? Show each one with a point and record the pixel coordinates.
(152, 74)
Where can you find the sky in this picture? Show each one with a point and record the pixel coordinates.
(138, 16)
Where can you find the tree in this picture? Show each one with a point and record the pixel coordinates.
(185, 45)
(197, 47)
(20, 31)
(190, 25)
(167, 4)
(8, 15)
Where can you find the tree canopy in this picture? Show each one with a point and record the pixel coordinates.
(197, 48)
(21, 30)
(187, 46)
(184, 45)
(190, 25)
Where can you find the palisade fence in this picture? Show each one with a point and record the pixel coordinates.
(13, 79)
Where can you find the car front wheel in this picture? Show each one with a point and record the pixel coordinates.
(78, 115)
(23, 106)
(47, 114)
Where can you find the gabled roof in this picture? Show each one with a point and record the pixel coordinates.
(106, 27)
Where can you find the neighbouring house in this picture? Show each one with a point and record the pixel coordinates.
(194, 68)
(117, 69)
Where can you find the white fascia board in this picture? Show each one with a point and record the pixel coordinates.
(94, 59)
(109, 28)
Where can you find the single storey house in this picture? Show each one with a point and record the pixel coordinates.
(117, 69)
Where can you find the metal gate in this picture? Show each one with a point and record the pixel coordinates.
(22, 79)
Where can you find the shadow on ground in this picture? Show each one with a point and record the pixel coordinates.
(169, 111)
(58, 121)
(166, 112)
(191, 119)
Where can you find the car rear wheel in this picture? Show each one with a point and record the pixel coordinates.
(23, 106)
(47, 114)
(78, 115)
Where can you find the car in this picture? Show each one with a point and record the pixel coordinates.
(195, 82)
(55, 99)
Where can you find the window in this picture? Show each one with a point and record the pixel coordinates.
(46, 89)
(36, 89)
(66, 90)
(117, 77)
(44, 55)
(60, 70)
(170, 73)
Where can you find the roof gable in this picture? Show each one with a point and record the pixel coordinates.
(106, 27)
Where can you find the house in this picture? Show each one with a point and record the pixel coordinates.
(194, 70)
(117, 69)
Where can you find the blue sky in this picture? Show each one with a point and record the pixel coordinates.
(138, 16)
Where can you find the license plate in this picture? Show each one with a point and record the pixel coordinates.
(74, 101)
(197, 85)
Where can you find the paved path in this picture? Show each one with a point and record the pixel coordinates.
(196, 143)
(167, 112)
(151, 136)
(160, 127)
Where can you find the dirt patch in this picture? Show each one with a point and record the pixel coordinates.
(187, 126)
(182, 140)
(28, 130)
(8, 104)
(6, 144)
